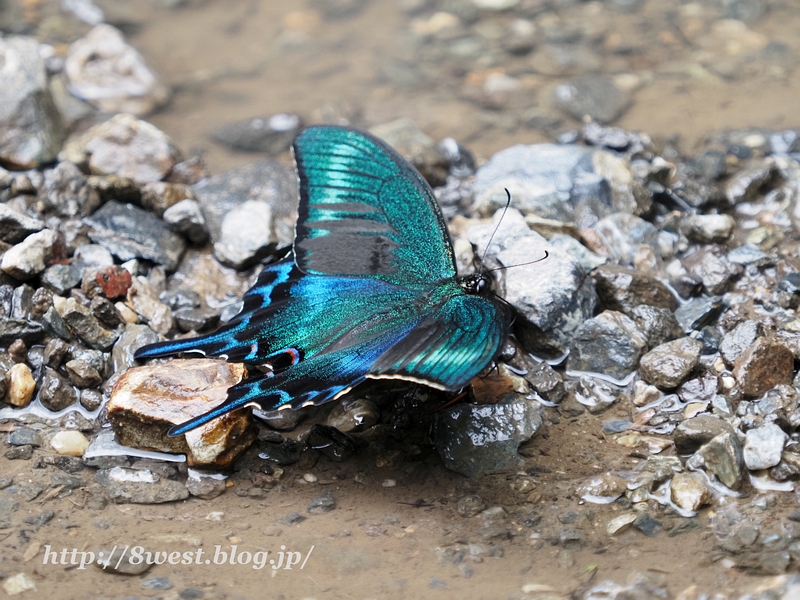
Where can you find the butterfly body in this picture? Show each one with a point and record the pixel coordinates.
(369, 291)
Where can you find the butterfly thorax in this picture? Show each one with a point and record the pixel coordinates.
(477, 284)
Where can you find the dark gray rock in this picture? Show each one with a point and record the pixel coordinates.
(659, 325)
(19, 453)
(609, 343)
(91, 399)
(133, 338)
(83, 374)
(62, 278)
(354, 414)
(469, 506)
(129, 232)
(20, 329)
(30, 126)
(712, 268)
(623, 233)
(269, 135)
(722, 457)
(67, 193)
(265, 181)
(196, 319)
(647, 524)
(321, 504)
(25, 437)
(595, 96)
(594, 394)
(82, 323)
(477, 439)
(623, 289)
(545, 381)
(56, 393)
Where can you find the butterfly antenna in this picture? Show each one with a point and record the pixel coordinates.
(486, 250)
(546, 254)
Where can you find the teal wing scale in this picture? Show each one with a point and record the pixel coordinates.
(369, 292)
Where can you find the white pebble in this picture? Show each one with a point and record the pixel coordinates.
(310, 478)
(389, 483)
(69, 443)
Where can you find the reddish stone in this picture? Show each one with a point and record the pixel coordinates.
(114, 281)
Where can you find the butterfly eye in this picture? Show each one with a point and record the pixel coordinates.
(480, 285)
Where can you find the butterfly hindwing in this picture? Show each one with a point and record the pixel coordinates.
(365, 212)
(449, 345)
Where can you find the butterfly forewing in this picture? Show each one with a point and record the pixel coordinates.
(365, 212)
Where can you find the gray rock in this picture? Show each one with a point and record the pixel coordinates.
(595, 96)
(83, 374)
(735, 342)
(94, 255)
(623, 289)
(20, 329)
(31, 256)
(553, 296)
(545, 381)
(196, 319)
(16, 226)
(83, 324)
(118, 560)
(55, 392)
(270, 135)
(129, 232)
(265, 181)
(722, 457)
(708, 228)
(469, 506)
(31, 132)
(561, 182)
(19, 453)
(763, 447)
(594, 394)
(91, 399)
(647, 524)
(587, 259)
(712, 268)
(659, 325)
(321, 504)
(753, 180)
(123, 146)
(609, 343)
(206, 488)
(700, 389)
(692, 433)
(186, 218)
(477, 439)
(623, 233)
(157, 583)
(25, 437)
(246, 235)
(67, 193)
(747, 254)
(106, 72)
(133, 338)
(668, 365)
(62, 278)
(416, 147)
(139, 486)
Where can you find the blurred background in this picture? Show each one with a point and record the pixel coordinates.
(486, 72)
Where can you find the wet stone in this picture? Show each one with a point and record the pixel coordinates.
(763, 446)
(712, 268)
(20, 385)
(698, 312)
(139, 486)
(145, 300)
(700, 389)
(129, 232)
(352, 415)
(469, 506)
(475, 439)
(623, 289)
(595, 96)
(546, 381)
(669, 364)
(689, 491)
(206, 488)
(19, 453)
(83, 374)
(331, 442)
(609, 343)
(764, 364)
(735, 342)
(658, 324)
(602, 489)
(158, 196)
(25, 437)
(20, 329)
(196, 319)
(749, 183)
(269, 135)
(722, 456)
(56, 393)
(69, 443)
(146, 401)
(106, 312)
(62, 278)
(113, 282)
(83, 324)
(321, 504)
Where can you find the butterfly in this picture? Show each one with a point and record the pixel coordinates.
(369, 291)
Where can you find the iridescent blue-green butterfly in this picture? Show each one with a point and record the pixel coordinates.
(369, 292)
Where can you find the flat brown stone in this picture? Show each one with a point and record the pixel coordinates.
(147, 401)
(761, 367)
